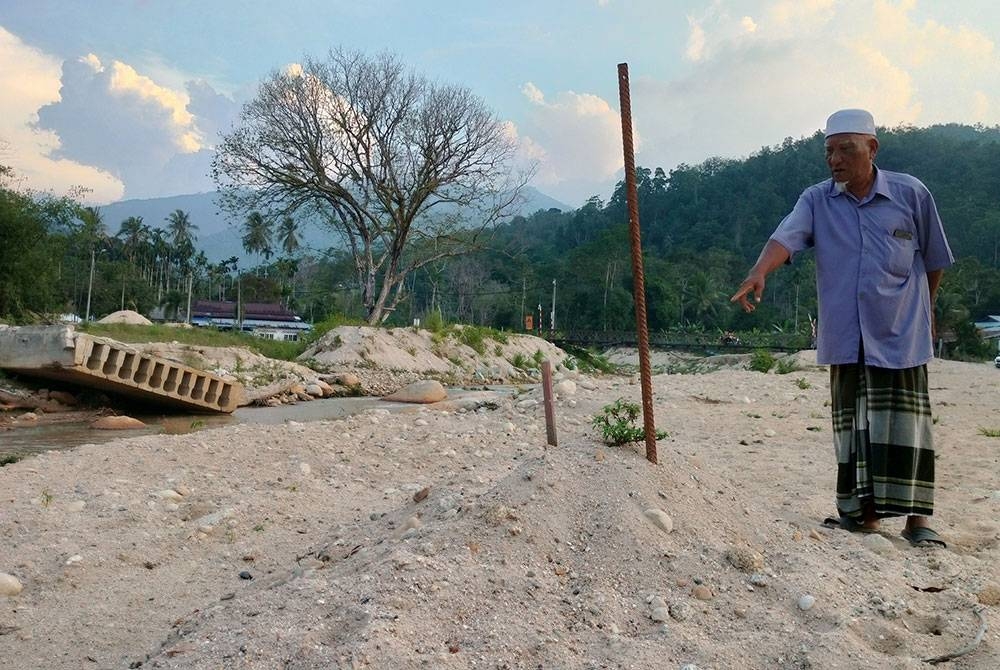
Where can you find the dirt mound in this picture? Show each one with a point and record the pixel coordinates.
(126, 316)
(459, 355)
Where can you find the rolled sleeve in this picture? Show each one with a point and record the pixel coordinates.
(796, 230)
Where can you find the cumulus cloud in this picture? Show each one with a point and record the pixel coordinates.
(780, 72)
(575, 140)
(30, 79)
(121, 121)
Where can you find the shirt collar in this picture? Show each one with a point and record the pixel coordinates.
(879, 187)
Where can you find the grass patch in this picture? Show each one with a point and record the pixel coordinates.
(803, 383)
(7, 459)
(204, 337)
(989, 432)
(761, 360)
(587, 360)
(617, 423)
(786, 365)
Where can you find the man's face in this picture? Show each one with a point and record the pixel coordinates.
(850, 157)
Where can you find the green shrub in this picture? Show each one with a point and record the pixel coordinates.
(587, 360)
(761, 360)
(434, 322)
(7, 459)
(786, 365)
(803, 383)
(521, 362)
(617, 423)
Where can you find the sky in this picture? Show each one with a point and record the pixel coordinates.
(127, 98)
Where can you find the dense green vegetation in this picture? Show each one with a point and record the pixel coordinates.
(703, 226)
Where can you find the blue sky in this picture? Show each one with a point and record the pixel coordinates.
(127, 98)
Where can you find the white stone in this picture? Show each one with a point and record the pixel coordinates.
(420, 422)
(9, 585)
(305, 468)
(660, 519)
(169, 494)
(660, 614)
(806, 602)
(566, 387)
(74, 559)
(878, 544)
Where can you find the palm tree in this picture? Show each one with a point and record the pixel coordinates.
(257, 235)
(288, 235)
(134, 234)
(181, 229)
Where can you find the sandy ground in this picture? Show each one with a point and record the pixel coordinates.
(431, 539)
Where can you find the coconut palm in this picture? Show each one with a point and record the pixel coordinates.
(257, 235)
(288, 235)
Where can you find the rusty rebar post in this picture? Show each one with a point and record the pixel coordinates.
(638, 278)
(550, 404)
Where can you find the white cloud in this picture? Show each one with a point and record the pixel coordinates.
(803, 59)
(696, 41)
(575, 140)
(29, 80)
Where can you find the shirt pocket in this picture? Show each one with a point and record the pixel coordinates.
(901, 247)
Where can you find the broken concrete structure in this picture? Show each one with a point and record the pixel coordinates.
(61, 353)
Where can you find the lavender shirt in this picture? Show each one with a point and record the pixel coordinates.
(872, 260)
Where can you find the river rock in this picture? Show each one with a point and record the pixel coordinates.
(348, 379)
(314, 390)
(660, 519)
(566, 387)
(424, 391)
(806, 602)
(63, 397)
(878, 544)
(9, 585)
(117, 423)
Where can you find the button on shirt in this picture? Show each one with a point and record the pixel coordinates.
(872, 260)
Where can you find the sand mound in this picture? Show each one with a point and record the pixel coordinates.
(454, 357)
(126, 316)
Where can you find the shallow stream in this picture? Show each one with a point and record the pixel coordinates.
(73, 429)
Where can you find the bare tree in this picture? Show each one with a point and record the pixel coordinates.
(405, 170)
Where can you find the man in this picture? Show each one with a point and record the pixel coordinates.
(880, 252)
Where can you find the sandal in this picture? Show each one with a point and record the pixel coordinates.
(848, 524)
(923, 537)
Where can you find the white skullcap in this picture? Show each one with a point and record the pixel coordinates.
(850, 121)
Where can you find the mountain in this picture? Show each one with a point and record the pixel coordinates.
(219, 234)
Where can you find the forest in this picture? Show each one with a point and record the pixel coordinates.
(702, 227)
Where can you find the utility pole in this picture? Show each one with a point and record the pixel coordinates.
(90, 286)
(188, 316)
(552, 319)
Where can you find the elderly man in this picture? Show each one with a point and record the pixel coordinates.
(880, 252)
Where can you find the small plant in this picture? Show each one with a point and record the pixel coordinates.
(586, 360)
(434, 321)
(258, 528)
(786, 365)
(520, 361)
(411, 350)
(989, 432)
(803, 383)
(538, 356)
(617, 423)
(7, 459)
(498, 350)
(761, 360)
(197, 423)
(46, 498)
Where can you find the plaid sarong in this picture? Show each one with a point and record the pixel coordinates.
(882, 438)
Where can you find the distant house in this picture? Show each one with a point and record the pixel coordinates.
(268, 320)
(990, 329)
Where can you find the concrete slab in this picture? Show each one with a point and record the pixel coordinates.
(59, 352)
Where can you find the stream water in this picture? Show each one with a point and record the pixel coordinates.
(73, 429)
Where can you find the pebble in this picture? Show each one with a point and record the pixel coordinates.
(660, 614)
(814, 534)
(169, 494)
(509, 427)
(745, 559)
(769, 432)
(245, 575)
(702, 592)
(305, 468)
(878, 544)
(806, 602)
(74, 559)
(420, 422)
(660, 519)
(9, 585)
(679, 610)
(758, 579)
